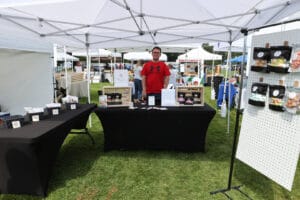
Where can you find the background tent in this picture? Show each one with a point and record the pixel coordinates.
(239, 59)
(198, 55)
(142, 56)
(63, 56)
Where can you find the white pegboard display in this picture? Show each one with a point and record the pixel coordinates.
(269, 140)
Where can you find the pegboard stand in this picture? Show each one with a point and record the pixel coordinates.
(236, 129)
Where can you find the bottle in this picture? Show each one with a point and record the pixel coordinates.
(102, 99)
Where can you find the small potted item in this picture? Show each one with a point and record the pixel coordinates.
(118, 98)
(261, 56)
(110, 98)
(189, 100)
(53, 108)
(196, 97)
(181, 97)
(280, 58)
(34, 114)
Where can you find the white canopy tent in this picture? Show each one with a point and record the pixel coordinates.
(96, 53)
(198, 55)
(126, 24)
(64, 56)
(143, 56)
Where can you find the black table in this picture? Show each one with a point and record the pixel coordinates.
(27, 154)
(177, 128)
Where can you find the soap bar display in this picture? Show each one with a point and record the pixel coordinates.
(260, 59)
(292, 100)
(276, 97)
(280, 58)
(258, 94)
(295, 60)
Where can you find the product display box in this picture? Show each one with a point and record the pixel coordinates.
(117, 96)
(190, 96)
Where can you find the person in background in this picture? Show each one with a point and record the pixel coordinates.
(173, 76)
(155, 76)
(78, 67)
(137, 69)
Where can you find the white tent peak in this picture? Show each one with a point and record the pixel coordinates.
(197, 55)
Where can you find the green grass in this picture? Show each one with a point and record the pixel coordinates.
(84, 172)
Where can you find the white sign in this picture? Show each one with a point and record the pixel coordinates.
(151, 100)
(168, 97)
(35, 118)
(73, 106)
(55, 111)
(16, 124)
(121, 78)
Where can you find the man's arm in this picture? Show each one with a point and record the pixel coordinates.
(144, 94)
(166, 81)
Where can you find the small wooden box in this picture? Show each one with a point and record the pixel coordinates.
(190, 96)
(125, 95)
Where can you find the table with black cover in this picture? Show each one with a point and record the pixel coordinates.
(27, 154)
(177, 128)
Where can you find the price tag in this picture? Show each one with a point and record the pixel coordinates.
(55, 112)
(73, 106)
(16, 124)
(35, 118)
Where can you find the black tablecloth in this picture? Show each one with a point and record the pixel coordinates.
(27, 154)
(177, 128)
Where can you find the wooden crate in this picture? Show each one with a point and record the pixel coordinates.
(190, 91)
(124, 91)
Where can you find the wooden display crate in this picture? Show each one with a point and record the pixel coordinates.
(195, 93)
(124, 91)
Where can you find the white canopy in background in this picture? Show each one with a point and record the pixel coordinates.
(63, 56)
(132, 23)
(198, 55)
(143, 56)
(96, 53)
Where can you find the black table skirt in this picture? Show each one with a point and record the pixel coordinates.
(27, 154)
(177, 128)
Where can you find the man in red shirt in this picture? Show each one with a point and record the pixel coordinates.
(155, 76)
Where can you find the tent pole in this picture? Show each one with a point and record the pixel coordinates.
(234, 145)
(87, 45)
(229, 91)
(66, 71)
(55, 86)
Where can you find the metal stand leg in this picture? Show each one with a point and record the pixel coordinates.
(86, 132)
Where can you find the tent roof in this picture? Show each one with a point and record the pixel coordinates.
(131, 23)
(198, 54)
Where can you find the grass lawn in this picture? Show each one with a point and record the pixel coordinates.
(84, 172)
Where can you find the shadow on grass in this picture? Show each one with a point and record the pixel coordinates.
(75, 158)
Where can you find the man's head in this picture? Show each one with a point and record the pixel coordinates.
(156, 52)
